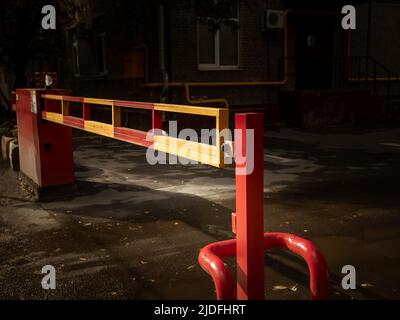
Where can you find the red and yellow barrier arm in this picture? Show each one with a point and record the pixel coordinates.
(57, 109)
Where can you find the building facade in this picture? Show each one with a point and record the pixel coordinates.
(280, 56)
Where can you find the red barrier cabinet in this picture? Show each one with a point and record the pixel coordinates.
(45, 148)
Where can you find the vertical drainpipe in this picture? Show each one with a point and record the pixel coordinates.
(268, 40)
(163, 68)
(368, 40)
(167, 43)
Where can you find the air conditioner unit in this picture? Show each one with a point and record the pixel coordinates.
(273, 19)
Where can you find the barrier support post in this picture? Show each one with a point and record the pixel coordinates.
(116, 116)
(65, 108)
(157, 122)
(250, 206)
(86, 111)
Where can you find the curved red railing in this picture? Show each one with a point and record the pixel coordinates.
(211, 260)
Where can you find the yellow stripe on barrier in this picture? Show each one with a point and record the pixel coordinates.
(221, 125)
(103, 102)
(197, 152)
(55, 117)
(52, 97)
(100, 128)
(200, 111)
(200, 148)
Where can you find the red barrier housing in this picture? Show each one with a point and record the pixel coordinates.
(45, 148)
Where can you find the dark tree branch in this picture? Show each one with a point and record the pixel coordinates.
(6, 106)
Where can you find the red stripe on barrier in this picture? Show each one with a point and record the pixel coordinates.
(74, 122)
(72, 99)
(134, 105)
(133, 136)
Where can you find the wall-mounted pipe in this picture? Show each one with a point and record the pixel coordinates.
(189, 99)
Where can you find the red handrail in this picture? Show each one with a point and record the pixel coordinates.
(211, 260)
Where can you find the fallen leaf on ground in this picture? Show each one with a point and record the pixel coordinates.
(279, 287)
(293, 288)
(366, 285)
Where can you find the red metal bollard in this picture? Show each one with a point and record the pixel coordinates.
(249, 205)
(248, 221)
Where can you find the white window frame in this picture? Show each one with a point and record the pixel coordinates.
(217, 50)
(75, 59)
(103, 43)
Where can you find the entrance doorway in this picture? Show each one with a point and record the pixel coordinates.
(314, 51)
